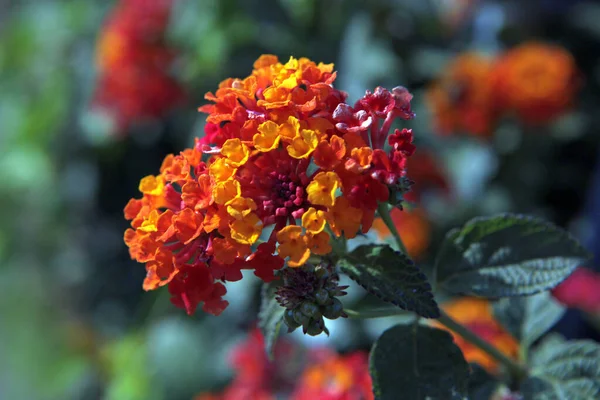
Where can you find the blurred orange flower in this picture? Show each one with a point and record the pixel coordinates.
(461, 100)
(336, 377)
(476, 315)
(537, 81)
(414, 229)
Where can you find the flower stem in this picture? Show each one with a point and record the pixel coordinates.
(375, 313)
(516, 369)
(384, 213)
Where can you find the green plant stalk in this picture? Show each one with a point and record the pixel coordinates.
(384, 213)
(516, 369)
(375, 313)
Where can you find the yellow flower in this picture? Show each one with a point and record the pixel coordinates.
(344, 219)
(321, 191)
(221, 170)
(152, 185)
(246, 230)
(226, 192)
(150, 223)
(293, 244)
(304, 144)
(268, 137)
(237, 153)
(290, 129)
(319, 243)
(240, 207)
(313, 220)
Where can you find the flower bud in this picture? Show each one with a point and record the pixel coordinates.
(308, 293)
(333, 310)
(310, 310)
(322, 296)
(288, 318)
(300, 317)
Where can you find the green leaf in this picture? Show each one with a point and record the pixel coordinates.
(528, 318)
(482, 385)
(392, 277)
(564, 370)
(417, 362)
(270, 316)
(507, 255)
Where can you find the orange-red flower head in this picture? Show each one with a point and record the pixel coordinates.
(287, 157)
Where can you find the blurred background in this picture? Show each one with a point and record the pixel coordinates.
(94, 94)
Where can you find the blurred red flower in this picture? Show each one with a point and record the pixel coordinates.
(580, 290)
(323, 374)
(133, 62)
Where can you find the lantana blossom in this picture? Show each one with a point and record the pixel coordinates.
(285, 159)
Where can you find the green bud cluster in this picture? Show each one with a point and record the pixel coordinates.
(309, 294)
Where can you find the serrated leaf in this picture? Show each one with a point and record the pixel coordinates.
(415, 362)
(528, 318)
(270, 316)
(392, 277)
(564, 370)
(507, 255)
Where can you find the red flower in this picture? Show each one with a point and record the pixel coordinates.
(580, 290)
(133, 62)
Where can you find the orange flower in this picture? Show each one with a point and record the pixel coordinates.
(344, 219)
(294, 245)
(462, 99)
(537, 81)
(334, 377)
(313, 220)
(413, 227)
(476, 315)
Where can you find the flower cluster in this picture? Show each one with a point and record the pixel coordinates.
(299, 375)
(133, 62)
(536, 82)
(288, 160)
(477, 316)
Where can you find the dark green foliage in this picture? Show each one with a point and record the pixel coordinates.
(507, 255)
(392, 277)
(415, 362)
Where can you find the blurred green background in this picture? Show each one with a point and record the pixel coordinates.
(74, 321)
